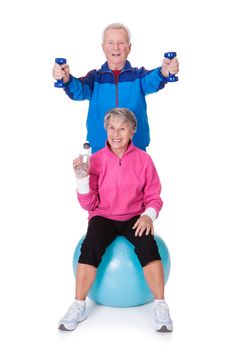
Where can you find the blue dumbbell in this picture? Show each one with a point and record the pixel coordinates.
(170, 55)
(59, 83)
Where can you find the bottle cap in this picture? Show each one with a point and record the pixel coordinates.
(86, 145)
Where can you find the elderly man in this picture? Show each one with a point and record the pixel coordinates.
(126, 206)
(116, 84)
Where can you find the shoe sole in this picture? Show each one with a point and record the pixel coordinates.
(164, 329)
(63, 328)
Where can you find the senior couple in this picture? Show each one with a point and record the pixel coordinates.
(121, 190)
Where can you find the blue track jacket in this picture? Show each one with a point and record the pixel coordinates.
(104, 93)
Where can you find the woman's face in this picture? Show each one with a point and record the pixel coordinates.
(119, 133)
(116, 48)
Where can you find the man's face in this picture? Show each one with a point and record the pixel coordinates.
(116, 48)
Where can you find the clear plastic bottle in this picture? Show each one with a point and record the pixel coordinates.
(82, 169)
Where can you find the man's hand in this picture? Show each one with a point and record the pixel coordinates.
(170, 66)
(61, 72)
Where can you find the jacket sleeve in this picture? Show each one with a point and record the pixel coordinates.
(152, 188)
(80, 89)
(152, 80)
(89, 201)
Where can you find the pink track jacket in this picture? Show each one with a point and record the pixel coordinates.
(121, 188)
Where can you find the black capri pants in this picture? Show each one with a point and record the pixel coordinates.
(102, 231)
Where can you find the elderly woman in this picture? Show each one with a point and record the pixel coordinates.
(121, 192)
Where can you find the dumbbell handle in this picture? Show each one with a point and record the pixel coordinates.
(172, 78)
(59, 83)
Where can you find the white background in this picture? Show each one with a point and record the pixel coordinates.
(40, 134)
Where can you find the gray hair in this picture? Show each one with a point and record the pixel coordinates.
(123, 114)
(117, 26)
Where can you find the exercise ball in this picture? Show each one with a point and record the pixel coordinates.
(120, 280)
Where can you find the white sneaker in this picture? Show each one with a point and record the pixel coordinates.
(75, 314)
(162, 320)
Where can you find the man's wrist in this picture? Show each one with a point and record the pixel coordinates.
(164, 77)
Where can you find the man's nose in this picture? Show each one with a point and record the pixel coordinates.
(115, 46)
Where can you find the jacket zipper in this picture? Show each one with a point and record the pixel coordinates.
(116, 83)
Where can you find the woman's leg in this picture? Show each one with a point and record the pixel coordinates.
(149, 257)
(85, 276)
(100, 233)
(154, 276)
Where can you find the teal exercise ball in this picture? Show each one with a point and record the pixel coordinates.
(120, 280)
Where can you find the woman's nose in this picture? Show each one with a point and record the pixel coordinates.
(116, 133)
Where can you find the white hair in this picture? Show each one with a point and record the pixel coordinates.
(124, 114)
(117, 25)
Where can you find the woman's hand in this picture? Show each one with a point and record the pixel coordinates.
(80, 167)
(144, 225)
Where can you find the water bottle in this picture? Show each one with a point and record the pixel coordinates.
(82, 169)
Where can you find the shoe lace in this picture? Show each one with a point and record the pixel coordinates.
(163, 311)
(74, 310)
